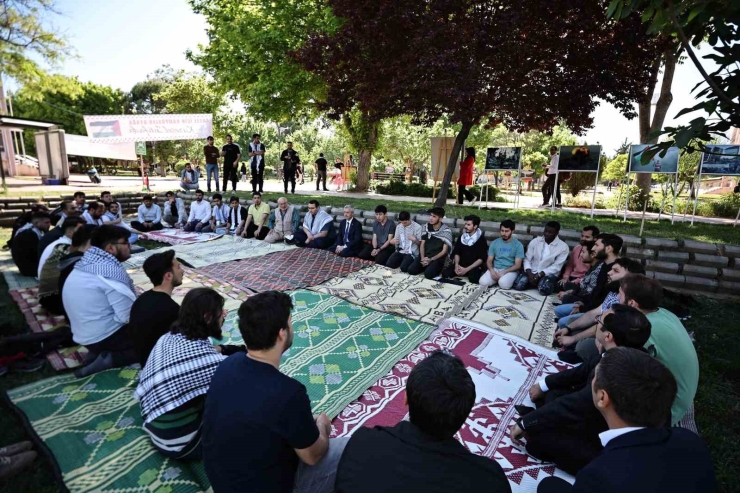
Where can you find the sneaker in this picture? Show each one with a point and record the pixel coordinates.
(16, 448)
(30, 365)
(10, 466)
(472, 202)
(101, 363)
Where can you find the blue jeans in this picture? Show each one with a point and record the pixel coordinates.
(563, 310)
(212, 169)
(563, 321)
(320, 477)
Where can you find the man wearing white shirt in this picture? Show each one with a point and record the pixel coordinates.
(200, 213)
(70, 225)
(94, 213)
(543, 261)
(175, 213)
(98, 296)
(113, 217)
(549, 186)
(219, 215)
(149, 216)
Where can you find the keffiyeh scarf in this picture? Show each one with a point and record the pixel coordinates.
(315, 223)
(469, 240)
(177, 371)
(444, 233)
(101, 263)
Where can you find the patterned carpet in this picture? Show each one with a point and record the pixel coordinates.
(93, 425)
(41, 320)
(11, 274)
(223, 249)
(525, 314)
(503, 368)
(394, 292)
(178, 236)
(294, 269)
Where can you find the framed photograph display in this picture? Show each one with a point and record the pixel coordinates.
(579, 158)
(503, 158)
(658, 163)
(721, 160)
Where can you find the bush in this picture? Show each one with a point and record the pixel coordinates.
(726, 206)
(636, 199)
(395, 187)
(584, 202)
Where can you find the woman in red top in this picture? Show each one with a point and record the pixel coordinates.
(466, 177)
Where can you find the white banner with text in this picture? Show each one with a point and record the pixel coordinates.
(112, 129)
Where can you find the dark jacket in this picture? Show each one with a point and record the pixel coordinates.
(650, 460)
(354, 241)
(25, 249)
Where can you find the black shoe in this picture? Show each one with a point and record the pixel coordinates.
(29, 365)
(326, 189)
(523, 410)
(570, 356)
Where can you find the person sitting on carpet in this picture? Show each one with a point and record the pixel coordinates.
(25, 245)
(349, 236)
(436, 243)
(577, 337)
(174, 211)
(173, 384)
(107, 199)
(219, 214)
(149, 216)
(381, 247)
(153, 312)
(237, 217)
(200, 213)
(505, 256)
(189, 178)
(80, 204)
(543, 261)
(49, 294)
(110, 217)
(565, 427)
(258, 431)
(97, 298)
(257, 214)
(94, 213)
(406, 241)
(283, 221)
(80, 244)
(634, 392)
(578, 292)
(575, 268)
(426, 456)
(470, 252)
(318, 228)
(65, 210)
(669, 342)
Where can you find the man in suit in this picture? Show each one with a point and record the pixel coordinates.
(349, 237)
(634, 392)
(565, 428)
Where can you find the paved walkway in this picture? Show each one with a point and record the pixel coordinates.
(33, 186)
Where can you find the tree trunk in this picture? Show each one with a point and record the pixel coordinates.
(451, 163)
(364, 133)
(363, 171)
(648, 127)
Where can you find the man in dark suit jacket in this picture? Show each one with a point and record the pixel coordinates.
(634, 392)
(25, 245)
(349, 236)
(565, 428)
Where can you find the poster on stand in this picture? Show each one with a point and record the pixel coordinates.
(115, 129)
(658, 163)
(503, 158)
(579, 158)
(721, 160)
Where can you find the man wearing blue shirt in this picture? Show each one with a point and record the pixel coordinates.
(505, 257)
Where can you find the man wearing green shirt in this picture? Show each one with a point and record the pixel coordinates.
(669, 342)
(257, 214)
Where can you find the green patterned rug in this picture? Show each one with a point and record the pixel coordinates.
(93, 425)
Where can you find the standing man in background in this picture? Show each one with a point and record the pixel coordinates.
(211, 153)
(290, 160)
(549, 186)
(256, 163)
(231, 153)
(320, 166)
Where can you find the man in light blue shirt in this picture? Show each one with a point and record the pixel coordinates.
(150, 216)
(505, 257)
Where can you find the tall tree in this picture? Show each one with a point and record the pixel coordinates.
(527, 64)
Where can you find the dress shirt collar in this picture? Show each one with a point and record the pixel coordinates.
(610, 435)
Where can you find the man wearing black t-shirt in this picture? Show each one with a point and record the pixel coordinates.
(258, 431)
(422, 454)
(320, 166)
(257, 163)
(231, 153)
(153, 312)
(211, 153)
(290, 160)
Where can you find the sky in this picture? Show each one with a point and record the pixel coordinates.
(120, 43)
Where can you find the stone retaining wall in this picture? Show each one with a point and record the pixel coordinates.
(679, 264)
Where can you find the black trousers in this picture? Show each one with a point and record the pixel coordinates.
(258, 178)
(462, 192)
(432, 270)
(289, 177)
(380, 259)
(548, 188)
(140, 227)
(252, 228)
(473, 275)
(230, 174)
(321, 176)
(119, 345)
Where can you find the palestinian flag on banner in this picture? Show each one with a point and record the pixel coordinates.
(111, 128)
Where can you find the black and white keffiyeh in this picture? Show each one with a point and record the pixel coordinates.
(101, 263)
(177, 371)
(444, 233)
(469, 240)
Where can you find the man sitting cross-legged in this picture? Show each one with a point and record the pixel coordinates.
(381, 247)
(577, 337)
(426, 457)
(436, 243)
(505, 256)
(543, 261)
(565, 428)
(97, 297)
(48, 293)
(154, 311)
(237, 216)
(258, 431)
(283, 221)
(469, 254)
(349, 237)
(575, 268)
(219, 216)
(149, 216)
(406, 240)
(257, 214)
(25, 245)
(634, 392)
(112, 215)
(200, 213)
(579, 292)
(174, 211)
(318, 228)
(94, 213)
(189, 177)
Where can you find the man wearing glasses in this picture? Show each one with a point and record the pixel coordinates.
(98, 296)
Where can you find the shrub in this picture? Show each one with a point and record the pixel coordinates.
(395, 187)
(584, 202)
(636, 199)
(726, 206)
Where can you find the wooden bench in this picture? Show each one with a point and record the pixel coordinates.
(391, 176)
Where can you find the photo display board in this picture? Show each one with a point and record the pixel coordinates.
(503, 158)
(721, 160)
(658, 164)
(579, 158)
